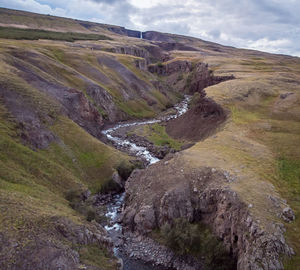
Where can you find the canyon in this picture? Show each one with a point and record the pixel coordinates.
(113, 149)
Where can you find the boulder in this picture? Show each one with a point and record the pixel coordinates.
(288, 214)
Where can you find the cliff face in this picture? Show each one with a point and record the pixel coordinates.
(202, 195)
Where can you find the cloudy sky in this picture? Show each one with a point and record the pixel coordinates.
(267, 25)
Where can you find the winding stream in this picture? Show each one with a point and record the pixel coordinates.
(114, 208)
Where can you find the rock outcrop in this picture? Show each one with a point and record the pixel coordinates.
(123, 31)
(56, 248)
(202, 196)
(187, 76)
(157, 36)
(171, 67)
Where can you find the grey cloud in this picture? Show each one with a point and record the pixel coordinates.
(229, 22)
(233, 23)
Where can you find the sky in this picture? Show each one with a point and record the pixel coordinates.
(266, 25)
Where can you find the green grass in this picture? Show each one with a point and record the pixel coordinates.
(136, 108)
(289, 186)
(162, 99)
(242, 116)
(158, 135)
(289, 173)
(34, 34)
(257, 65)
(29, 181)
(84, 155)
(281, 134)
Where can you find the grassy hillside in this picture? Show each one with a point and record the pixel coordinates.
(55, 97)
(34, 184)
(49, 91)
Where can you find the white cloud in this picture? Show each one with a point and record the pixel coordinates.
(264, 43)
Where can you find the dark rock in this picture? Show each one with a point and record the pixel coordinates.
(123, 31)
(118, 180)
(174, 204)
(201, 121)
(288, 214)
(156, 36)
(285, 95)
(128, 217)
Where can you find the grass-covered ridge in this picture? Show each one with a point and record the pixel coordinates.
(35, 34)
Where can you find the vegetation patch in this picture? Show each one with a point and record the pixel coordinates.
(242, 116)
(136, 108)
(158, 135)
(34, 34)
(84, 155)
(195, 239)
(289, 185)
(125, 169)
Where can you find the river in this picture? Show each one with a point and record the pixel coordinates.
(114, 208)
